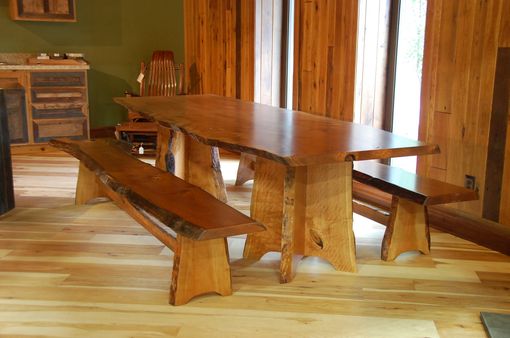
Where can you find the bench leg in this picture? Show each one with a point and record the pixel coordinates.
(194, 162)
(88, 186)
(408, 229)
(199, 267)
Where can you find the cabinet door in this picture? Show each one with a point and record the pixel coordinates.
(6, 188)
(43, 10)
(16, 115)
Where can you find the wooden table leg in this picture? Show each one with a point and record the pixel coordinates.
(267, 208)
(194, 162)
(294, 209)
(329, 232)
(308, 212)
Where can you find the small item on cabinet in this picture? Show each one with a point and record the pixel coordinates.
(140, 149)
(57, 56)
(75, 55)
(43, 56)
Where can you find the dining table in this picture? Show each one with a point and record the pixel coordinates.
(302, 190)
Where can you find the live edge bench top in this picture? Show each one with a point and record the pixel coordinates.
(187, 209)
(289, 137)
(401, 183)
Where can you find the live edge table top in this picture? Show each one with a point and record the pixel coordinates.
(289, 137)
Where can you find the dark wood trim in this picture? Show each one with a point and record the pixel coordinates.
(284, 60)
(481, 231)
(102, 132)
(497, 137)
(6, 186)
(46, 6)
(239, 33)
(391, 71)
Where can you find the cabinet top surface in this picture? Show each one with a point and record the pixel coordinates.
(44, 67)
(28, 62)
(290, 137)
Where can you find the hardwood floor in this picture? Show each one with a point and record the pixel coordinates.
(91, 271)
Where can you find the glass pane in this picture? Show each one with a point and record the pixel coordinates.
(406, 112)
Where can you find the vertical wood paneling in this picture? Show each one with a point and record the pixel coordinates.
(458, 78)
(439, 135)
(504, 42)
(325, 56)
(219, 47)
(504, 207)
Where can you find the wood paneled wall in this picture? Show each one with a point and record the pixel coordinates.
(461, 47)
(219, 47)
(325, 57)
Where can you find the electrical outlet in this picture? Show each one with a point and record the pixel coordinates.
(470, 182)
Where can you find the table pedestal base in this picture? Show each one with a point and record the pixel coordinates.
(194, 162)
(308, 212)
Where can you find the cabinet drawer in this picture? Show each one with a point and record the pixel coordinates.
(45, 130)
(57, 79)
(53, 112)
(47, 95)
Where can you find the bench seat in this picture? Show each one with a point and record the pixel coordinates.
(408, 227)
(190, 221)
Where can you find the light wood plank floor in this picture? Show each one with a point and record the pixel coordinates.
(91, 271)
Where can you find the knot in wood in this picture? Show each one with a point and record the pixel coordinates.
(316, 238)
(349, 158)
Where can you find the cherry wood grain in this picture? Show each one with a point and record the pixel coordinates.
(289, 137)
(187, 209)
(160, 201)
(307, 209)
(419, 189)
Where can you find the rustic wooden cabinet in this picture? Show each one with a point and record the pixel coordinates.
(50, 103)
(43, 10)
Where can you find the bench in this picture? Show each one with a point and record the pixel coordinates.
(408, 226)
(190, 221)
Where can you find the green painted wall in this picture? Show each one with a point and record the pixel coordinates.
(114, 35)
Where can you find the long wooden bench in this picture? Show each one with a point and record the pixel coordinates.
(408, 226)
(188, 220)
